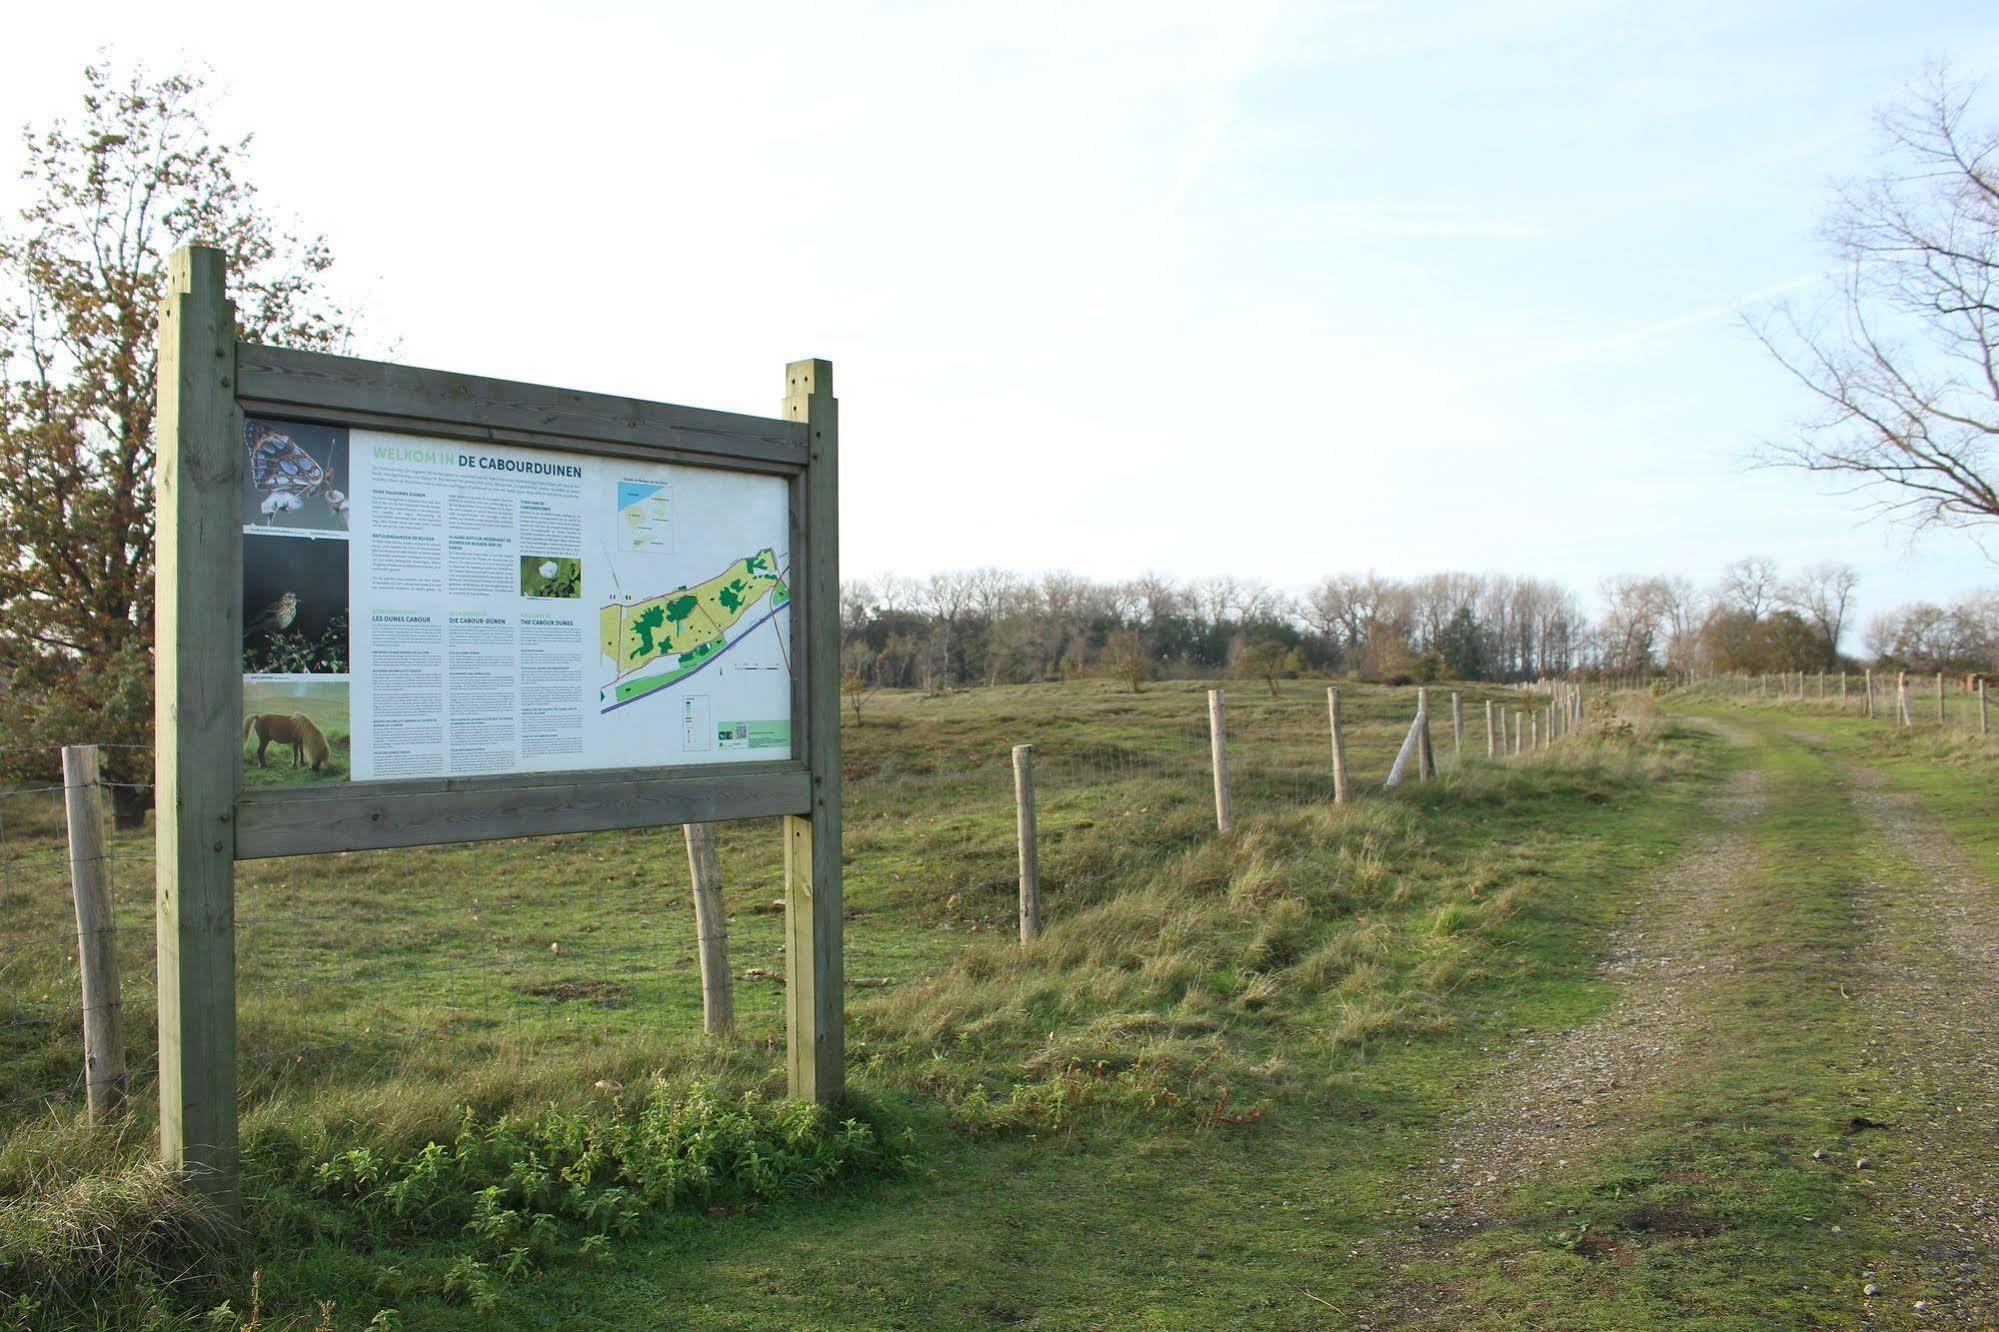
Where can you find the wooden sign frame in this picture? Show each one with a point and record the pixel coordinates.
(208, 381)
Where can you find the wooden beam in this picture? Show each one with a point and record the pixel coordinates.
(374, 816)
(282, 382)
(198, 705)
(815, 1015)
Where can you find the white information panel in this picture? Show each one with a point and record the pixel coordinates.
(417, 607)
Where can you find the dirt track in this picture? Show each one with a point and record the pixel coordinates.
(1931, 977)
(1560, 1096)
(1923, 968)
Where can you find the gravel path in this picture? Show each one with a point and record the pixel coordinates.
(1562, 1096)
(1930, 986)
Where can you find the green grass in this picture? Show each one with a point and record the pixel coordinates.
(1185, 1106)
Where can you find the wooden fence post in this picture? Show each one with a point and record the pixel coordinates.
(1412, 744)
(1842, 691)
(1339, 746)
(1534, 730)
(96, 934)
(1458, 725)
(1218, 753)
(1426, 756)
(1939, 698)
(1869, 683)
(1030, 864)
(1902, 698)
(711, 930)
(197, 728)
(814, 914)
(1491, 733)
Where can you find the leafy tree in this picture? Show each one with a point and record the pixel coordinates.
(1786, 641)
(81, 275)
(1462, 646)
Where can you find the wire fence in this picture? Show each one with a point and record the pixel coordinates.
(1934, 700)
(356, 967)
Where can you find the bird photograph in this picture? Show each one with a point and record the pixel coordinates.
(294, 604)
(276, 617)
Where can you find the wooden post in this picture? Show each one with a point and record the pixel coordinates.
(96, 936)
(1426, 765)
(711, 931)
(1023, 822)
(1340, 791)
(1218, 753)
(1939, 698)
(1534, 730)
(815, 1013)
(1491, 733)
(1412, 745)
(197, 728)
(1902, 698)
(1458, 725)
(1842, 691)
(1869, 683)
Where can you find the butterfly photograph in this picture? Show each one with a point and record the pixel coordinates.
(292, 476)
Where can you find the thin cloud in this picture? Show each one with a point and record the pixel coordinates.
(1583, 351)
(1219, 106)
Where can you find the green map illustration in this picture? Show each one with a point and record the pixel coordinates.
(687, 627)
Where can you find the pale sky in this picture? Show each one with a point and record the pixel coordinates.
(1266, 289)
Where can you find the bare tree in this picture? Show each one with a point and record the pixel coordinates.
(1920, 636)
(1634, 610)
(1907, 373)
(1823, 594)
(1215, 598)
(1686, 613)
(1751, 586)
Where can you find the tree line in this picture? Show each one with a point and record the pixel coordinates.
(994, 626)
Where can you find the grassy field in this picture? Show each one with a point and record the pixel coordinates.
(1203, 1099)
